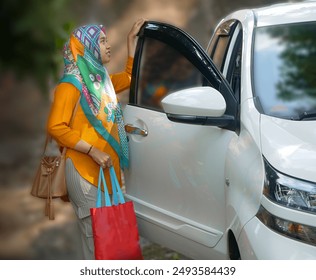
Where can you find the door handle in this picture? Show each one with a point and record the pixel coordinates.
(131, 129)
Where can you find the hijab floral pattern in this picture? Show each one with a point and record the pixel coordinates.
(84, 69)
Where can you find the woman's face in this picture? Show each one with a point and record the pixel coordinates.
(105, 48)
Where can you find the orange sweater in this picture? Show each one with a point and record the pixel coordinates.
(65, 98)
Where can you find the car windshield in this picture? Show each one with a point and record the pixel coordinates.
(284, 71)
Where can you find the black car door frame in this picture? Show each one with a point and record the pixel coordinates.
(194, 52)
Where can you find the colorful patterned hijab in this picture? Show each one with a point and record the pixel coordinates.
(84, 69)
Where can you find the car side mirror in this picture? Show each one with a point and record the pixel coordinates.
(199, 105)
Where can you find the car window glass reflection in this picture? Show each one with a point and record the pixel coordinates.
(163, 71)
(284, 69)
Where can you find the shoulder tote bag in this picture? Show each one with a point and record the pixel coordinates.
(49, 181)
(114, 227)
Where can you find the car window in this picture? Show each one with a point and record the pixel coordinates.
(220, 51)
(163, 70)
(219, 44)
(232, 68)
(284, 60)
(225, 49)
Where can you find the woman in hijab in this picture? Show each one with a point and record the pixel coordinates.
(96, 136)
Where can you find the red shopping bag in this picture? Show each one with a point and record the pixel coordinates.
(114, 227)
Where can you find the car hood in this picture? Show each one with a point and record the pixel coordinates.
(290, 146)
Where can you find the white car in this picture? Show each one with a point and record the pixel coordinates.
(223, 141)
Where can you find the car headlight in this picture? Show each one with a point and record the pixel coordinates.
(289, 191)
(299, 232)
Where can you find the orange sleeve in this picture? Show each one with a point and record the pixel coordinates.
(65, 99)
(122, 80)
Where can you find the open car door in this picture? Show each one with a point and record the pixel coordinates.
(177, 155)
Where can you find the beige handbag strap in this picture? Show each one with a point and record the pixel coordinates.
(49, 137)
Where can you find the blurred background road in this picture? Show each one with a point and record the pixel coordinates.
(33, 33)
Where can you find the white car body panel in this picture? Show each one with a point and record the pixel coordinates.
(288, 249)
(244, 170)
(275, 14)
(290, 146)
(172, 171)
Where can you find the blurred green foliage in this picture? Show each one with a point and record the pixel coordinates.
(33, 32)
